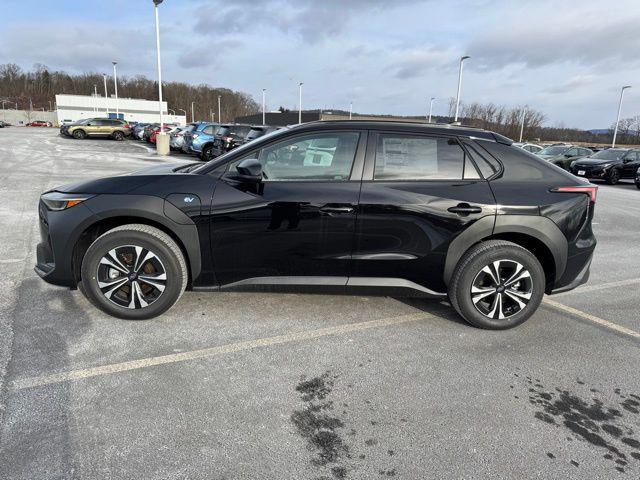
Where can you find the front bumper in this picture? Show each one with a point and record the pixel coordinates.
(590, 172)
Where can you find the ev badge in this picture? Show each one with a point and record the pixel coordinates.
(188, 199)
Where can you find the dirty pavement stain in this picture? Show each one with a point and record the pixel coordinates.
(319, 427)
(608, 427)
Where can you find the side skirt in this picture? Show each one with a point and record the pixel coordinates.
(319, 284)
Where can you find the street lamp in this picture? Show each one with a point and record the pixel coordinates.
(106, 96)
(95, 98)
(162, 148)
(185, 114)
(615, 130)
(300, 102)
(193, 118)
(524, 112)
(462, 59)
(115, 83)
(264, 90)
(431, 108)
(171, 110)
(219, 114)
(350, 110)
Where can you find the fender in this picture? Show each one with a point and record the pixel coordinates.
(157, 210)
(538, 227)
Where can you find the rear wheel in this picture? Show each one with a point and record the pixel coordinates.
(614, 177)
(134, 272)
(117, 135)
(79, 134)
(497, 285)
(207, 153)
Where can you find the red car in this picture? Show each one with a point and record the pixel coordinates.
(166, 128)
(39, 123)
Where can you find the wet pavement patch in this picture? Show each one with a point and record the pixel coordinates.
(609, 427)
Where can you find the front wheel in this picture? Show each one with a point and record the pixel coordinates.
(118, 135)
(614, 177)
(79, 134)
(497, 285)
(134, 272)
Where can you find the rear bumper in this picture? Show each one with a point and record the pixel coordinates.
(581, 278)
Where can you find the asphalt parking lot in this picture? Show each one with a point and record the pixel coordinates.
(253, 385)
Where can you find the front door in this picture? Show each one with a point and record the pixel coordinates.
(300, 219)
(418, 193)
(630, 164)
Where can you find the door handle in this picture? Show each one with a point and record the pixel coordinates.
(464, 209)
(336, 209)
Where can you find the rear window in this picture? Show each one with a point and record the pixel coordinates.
(239, 131)
(222, 131)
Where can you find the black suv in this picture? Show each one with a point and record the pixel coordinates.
(609, 165)
(227, 138)
(397, 208)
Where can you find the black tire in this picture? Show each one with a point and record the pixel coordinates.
(207, 153)
(165, 253)
(638, 185)
(614, 177)
(468, 271)
(79, 134)
(117, 135)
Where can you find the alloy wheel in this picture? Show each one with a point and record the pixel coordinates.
(502, 289)
(131, 276)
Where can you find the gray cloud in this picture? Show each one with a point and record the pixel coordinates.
(585, 40)
(415, 63)
(577, 81)
(212, 55)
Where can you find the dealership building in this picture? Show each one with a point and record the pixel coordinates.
(71, 108)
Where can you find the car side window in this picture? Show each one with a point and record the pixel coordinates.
(208, 130)
(407, 157)
(572, 152)
(313, 157)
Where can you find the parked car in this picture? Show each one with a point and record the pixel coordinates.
(529, 147)
(227, 137)
(4, 124)
(562, 155)
(202, 136)
(97, 127)
(167, 129)
(609, 165)
(177, 138)
(39, 123)
(637, 179)
(136, 129)
(338, 205)
(148, 130)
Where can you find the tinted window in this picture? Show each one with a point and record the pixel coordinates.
(405, 157)
(585, 151)
(255, 133)
(222, 131)
(239, 131)
(488, 166)
(572, 152)
(322, 156)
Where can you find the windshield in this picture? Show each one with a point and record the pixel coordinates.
(610, 154)
(243, 148)
(553, 150)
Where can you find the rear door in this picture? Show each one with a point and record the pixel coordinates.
(418, 193)
(300, 220)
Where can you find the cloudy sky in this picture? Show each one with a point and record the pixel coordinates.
(565, 58)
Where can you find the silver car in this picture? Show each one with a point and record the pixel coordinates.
(176, 140)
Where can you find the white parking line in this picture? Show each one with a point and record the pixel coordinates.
(72, 375)
(592, 318)
(602, 286)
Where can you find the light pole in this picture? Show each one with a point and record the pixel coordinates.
(219, 111)
(462, 59)
(106, 96)
(49, 105)
(524, 112)
(615, 129)
(300, 102)
(162, 144)
(3, 115)
(185, 114)
(350, 110)
(115, 83)
(264, 92)
(172, 110)
(193, 118)
(95, 98)
(431, 108)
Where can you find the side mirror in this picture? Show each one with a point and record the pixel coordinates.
(249, 170)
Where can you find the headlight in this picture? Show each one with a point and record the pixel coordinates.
(606, 165)
(57, 201)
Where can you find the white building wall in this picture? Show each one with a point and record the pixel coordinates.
(78, 107)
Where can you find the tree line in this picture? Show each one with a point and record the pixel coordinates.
(36, 89)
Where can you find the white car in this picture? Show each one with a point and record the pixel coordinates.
(529, 147)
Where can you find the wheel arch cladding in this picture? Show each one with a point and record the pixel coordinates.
(535, 233)
(113, 211)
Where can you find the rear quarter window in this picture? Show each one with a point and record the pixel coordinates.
(520, 165)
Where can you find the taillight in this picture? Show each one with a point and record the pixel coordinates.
(590, 190)
(126, 125)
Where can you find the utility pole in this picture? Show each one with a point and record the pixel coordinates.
(219, 111)
(300, 102)
(162, 141)
(615, 130)
(115, 83)
(462, 59)
(95, 98)
(264, 90)
(106, 95)
(524, 112)
(431, 108)
(350, 110)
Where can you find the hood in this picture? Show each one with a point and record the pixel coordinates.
(125, 183)
(595, 161)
